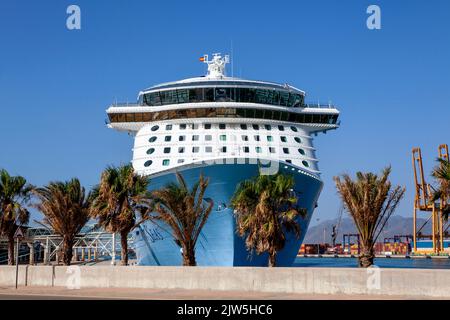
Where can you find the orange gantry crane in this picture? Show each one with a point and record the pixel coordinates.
(424, 202)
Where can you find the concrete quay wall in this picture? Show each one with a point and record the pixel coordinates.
(401, 282)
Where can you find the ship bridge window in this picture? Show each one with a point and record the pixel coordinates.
(148, 163)
(224, 95)
(169, 97)
(196, 95)
(209, 95)
(270, 96)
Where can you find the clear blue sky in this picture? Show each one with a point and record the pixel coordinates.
(391, 85)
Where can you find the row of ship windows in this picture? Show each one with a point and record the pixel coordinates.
(221, 112)
(221, 126)
(208, 149)
(222, 137)
(166, 162)
(249, 95)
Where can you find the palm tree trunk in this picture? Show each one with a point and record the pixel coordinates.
(273, 259)
(124, 245)
(189, 255)
(10, 249)
(67, 251)
(366, 256)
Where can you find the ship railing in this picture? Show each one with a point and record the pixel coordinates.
(320, 105)
(125, 104)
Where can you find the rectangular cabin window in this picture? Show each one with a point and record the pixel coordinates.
(284, 97)
(183, 95)
(138, 117)
(196, 95)
(209, 95)
(130, 117)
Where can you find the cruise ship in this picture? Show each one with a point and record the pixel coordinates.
(230, 129)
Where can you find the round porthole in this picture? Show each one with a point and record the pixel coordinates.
(150, 151)
(294, 129)
(148, 163)
(154, 128)
(297, 139)
(305, 163)
(301, 151)
(152, 139)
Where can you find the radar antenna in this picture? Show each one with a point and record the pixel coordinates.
(216, 66)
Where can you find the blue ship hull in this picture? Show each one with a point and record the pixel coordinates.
(218, 244)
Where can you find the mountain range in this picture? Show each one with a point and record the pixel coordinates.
(397, 225)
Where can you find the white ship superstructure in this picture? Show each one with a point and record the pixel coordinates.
(229, 129)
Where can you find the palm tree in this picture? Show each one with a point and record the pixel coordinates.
(442, 174)
(185, 211)
(266, 209)
(118, 198)
(65, 207)
(371, 201)
(14, 195)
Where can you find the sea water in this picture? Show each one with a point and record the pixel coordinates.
(420, 263)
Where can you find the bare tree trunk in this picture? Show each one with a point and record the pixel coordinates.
(124, 250)
(11, 249)
(67, 251)
(272, 259)
(366, 256)
(189, 255)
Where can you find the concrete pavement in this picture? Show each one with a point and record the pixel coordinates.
(61, 293)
